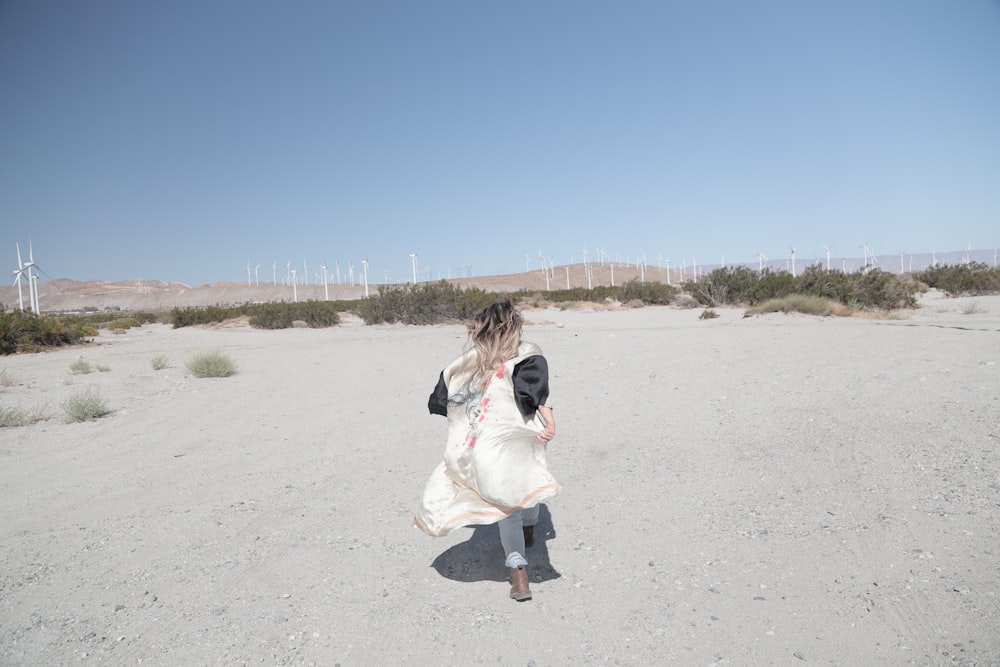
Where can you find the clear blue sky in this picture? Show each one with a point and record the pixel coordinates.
(178, 140)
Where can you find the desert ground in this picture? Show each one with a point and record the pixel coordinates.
(772, 490)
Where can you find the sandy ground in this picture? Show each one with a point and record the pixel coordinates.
(776, 490)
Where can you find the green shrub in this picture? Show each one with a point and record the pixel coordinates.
(742, 286)
(708, 314)
(80, 367)
(424, 303)
(211, 365)
(85, 406)
(793, 303)
(159, 362)
(265, 315)
(973, 279)
(123, 323)
(23, 331)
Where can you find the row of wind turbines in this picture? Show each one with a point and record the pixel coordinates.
(28, 271)
(293, 278)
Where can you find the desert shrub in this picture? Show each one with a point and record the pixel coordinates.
(972, 308)
(85, 405)
(23, 331)
(159, 362)
(652, 293)
(793, 303)
(973, 279)
(742, 286)
(12, 417)
(102, 368)
(425, 303)
(708, 314)
(316, 314)
(80, 367)
(123, 323)
(187, 317)
(211, 365)
(278, 315)
(6, 379)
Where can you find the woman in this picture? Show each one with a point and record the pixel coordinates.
(496, 399)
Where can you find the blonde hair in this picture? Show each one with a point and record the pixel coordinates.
(495, 333)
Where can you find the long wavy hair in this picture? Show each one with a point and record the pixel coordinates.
(495, 333)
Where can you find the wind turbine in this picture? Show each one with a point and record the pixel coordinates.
(249, 281)
(326, 284)
(29, 268)
(288, 273)
(667, 264)
(864, 268)
(792, 248)
(295, 288)
(17, 278)
(305, 272)
(364, 263)
(827, 248)
(274, 273)
(413, 260)
(761, 258)
(256, 275)
(694, 269)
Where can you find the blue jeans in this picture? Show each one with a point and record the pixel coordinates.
(512, 535)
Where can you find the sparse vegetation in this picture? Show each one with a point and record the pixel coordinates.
(972, 279)
(972, 308)
(80, 367)
(85, 405)
(425, 303)
(708, 314)
(102, 368)
(315, 314)
(212, 365)
(23, 331)
(13, 417)
(793, 303)
(742, 286)
(159, 362)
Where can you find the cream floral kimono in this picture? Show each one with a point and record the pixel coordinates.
(494, 463)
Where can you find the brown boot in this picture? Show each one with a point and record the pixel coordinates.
(529, 535)
(519, 584)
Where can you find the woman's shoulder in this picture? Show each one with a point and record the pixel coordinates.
(526, 349)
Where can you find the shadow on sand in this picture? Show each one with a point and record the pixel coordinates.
(480, 558)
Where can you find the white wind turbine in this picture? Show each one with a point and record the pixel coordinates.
(274, 273)
(413, 260)
(350, 272)
(28, 269)
(694, 269)
(295, 288)
(288, 273)
(667, 264)
(256, 275)
(17, 278)
(864, 267)
(364, 263)
(761, 258)
(827, 248)
(326, 285)
(792, 248)
(305, 272)
(249, 280)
